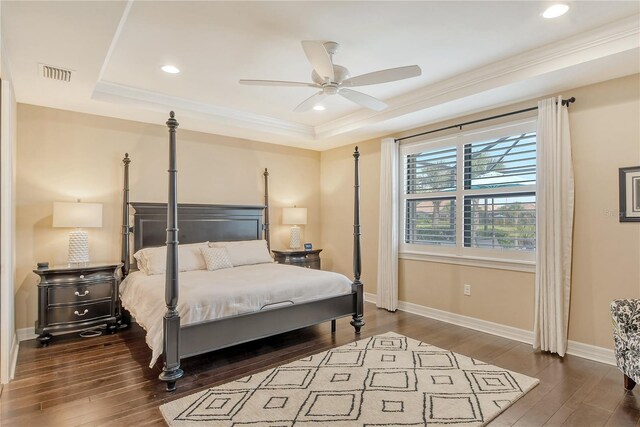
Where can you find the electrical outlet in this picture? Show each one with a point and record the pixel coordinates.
(467, 290)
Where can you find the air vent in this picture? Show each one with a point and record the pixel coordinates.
(55, 73)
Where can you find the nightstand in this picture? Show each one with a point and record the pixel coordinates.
(301, 258)
(77, 297)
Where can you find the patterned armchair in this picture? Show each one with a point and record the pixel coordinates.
(626, 336)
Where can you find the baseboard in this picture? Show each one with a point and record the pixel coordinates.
(369, 297)
(15, 346)
(586, 351)
(591, 352)
(25, 334)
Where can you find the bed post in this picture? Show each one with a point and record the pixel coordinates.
(265, 226)
(126, 229)
(357, 287)
(171, 320)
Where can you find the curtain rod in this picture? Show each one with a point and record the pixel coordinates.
(459, 125)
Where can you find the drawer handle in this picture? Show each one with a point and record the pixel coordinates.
(82, 276)
(83, 313)
(86, 292)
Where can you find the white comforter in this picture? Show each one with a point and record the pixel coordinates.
(207, 295)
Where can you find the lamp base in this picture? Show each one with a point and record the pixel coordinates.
(78, 247)
(295, 241)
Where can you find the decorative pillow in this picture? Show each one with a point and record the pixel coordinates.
(141, 261)
(154, 260)
(245, 252)
(216, 258)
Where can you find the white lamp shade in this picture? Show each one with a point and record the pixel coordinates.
(294, 216)
(77, 215)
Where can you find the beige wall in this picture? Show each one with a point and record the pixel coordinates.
(63, 156)
(605, 132)
(605, 129)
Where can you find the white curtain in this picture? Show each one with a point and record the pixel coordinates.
(387, 294)
(554, 195)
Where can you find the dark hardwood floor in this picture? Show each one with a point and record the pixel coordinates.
(107, 381)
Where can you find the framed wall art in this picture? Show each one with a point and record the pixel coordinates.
(630, 194)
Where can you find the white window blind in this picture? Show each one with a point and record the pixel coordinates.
(500, 222)
(431, 221)
(431, 171)
(504, 162)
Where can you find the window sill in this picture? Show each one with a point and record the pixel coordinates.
(471, 261)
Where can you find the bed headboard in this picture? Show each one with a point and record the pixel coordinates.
(196, 223)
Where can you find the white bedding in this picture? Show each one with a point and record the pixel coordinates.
(207, 295)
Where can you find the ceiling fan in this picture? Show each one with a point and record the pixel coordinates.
(334, 79)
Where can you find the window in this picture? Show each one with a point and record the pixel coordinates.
(472, 194)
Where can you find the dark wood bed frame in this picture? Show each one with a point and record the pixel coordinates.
(192, 223)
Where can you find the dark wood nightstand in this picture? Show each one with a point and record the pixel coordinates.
(301, 258)
(77, 297)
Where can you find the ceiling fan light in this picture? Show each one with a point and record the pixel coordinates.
(171, 69)
(319, 107)
(555, 11)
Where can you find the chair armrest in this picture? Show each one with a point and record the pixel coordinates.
(625, 314)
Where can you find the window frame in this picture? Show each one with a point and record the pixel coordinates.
(458, 253)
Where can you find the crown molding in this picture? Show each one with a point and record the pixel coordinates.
(110, 91)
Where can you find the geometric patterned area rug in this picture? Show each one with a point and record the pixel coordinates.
(386, 380)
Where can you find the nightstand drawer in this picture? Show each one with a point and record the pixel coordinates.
(315, 263)
(89, 276)
(79, 294)
(78, 313)
(304, 258)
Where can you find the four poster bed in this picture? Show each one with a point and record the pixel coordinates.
(192, 224)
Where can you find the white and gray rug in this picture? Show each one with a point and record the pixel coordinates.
(386, 380)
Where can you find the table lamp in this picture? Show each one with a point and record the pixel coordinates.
(294, 216)
(77, 215)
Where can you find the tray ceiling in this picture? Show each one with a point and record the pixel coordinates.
(474, 55)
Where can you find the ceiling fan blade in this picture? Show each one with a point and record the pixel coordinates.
(319, 58)
(363, 100)
(276, 83)
(383, 76)
(310, 102)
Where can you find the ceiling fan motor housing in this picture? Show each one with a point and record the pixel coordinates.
(340, 74)
(330, 89)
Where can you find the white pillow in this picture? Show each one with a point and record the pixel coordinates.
(245, 252)
(141, 261)
(154, 260)
(216, 258)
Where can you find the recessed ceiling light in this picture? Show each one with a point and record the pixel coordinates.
(170, 69)
(319, 107)
(555, 11)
